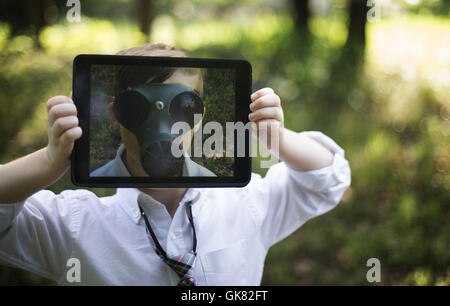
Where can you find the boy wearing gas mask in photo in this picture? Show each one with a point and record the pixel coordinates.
(157, 236)
(147, 101)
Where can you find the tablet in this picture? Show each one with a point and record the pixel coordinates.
(161, 121)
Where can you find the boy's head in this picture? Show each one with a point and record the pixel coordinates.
(129, 76)
(147, 151)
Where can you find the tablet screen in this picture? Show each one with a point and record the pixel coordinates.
(133, 112)
(153, 121)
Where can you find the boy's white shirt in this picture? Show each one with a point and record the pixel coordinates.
(116, 167)
(235, 228)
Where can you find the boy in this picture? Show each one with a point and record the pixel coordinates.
(132, 149)
(219, 236)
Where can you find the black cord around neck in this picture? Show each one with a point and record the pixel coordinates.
(158, 246)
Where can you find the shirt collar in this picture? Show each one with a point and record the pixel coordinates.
(189, 169)
(121, 170)
(129, 198)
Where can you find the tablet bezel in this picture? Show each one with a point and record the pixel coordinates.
(81, 96)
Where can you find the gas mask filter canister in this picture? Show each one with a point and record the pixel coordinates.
(149, 111)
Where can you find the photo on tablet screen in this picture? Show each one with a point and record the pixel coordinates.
(132, 114)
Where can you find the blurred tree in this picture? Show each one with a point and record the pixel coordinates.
(145, 10)
(391, 118)
(29, 17)
(356, 39)
(36, 12)
(345, 70)
(301, 15)
(300, 41)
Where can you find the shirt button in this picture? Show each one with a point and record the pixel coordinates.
(342, 178)
(136, 214)
(173, 236)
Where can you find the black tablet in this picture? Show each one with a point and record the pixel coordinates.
(161, 121)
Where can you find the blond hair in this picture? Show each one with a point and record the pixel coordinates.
(131, 75)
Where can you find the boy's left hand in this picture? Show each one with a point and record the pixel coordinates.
(267, 114)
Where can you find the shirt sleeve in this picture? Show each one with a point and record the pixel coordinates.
(286, 198)
(35, 234)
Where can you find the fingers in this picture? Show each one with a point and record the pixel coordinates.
(63, 129)
(265, 105)
(266, 128)
(70, 135)
(58, 100)
(61, 110)
(266, 113)
(63, 124)
(261, 92)
(266, 124)
(62, 118)
(265, 101)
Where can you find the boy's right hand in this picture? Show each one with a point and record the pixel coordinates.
(63, 130)
(24, 176)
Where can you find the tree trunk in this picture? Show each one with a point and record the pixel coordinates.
(36, 13)
(301, 15)
(145, 16)
(23, 15)
(357, 26)
(345, 72)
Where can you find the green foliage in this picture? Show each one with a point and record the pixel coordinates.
(219, 102)
(105, 138)
(391, 116)
(27, 78)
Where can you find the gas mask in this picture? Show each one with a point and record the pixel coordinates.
(149, 111)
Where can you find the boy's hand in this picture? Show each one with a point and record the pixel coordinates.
(63, 130)
(267, 116)
(22, 177)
